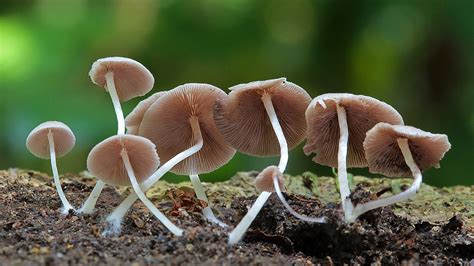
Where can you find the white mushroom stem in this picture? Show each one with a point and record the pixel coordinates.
(410, 192)
(267, 102)
(241, 228)
(115, 218)
(109, 77)
(52, 151)
(136, 187)
(344, 189)
(89, 204)
(236, 235)
(201, 194)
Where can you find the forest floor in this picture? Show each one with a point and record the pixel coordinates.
(436, 226)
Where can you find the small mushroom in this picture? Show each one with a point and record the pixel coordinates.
(135, 118)
(122, 160)
(124, 79)
(263, 118)
(337, 123)
(180, 123)
(396, 151)
(51, 140)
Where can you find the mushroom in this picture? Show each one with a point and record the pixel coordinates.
(51, 140)
(124, 79)
(181, 125)
(397, 151)
(135, 117)
(122, 160)
(337, 123)
(263, 118)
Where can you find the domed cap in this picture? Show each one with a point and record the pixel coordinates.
(362, 114)
(264, 181)
(38, 144)
(167, 124)
(105, 161)
(242, 119)
(131, 78)
(385, 157)
(135, 118)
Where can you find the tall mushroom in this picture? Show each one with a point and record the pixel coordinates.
(51, 140)
(397, 151)
(263, 118)
(181, 125)
(122, 160)
(124, 79)
(337, 123)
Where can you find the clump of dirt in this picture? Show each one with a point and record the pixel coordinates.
(32, 230)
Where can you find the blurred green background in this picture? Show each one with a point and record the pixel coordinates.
(416, 55)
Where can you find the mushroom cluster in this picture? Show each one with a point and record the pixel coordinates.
(197, 128)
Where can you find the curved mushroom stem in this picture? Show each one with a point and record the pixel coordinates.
(66, 205)
(201, 194)
(267, 102)
(291, 210)
(89, 204)
(342, 159)
(241, 228)
(410, 192)
(114, 220)
(245, 223)
(109, 77)
(136, 187)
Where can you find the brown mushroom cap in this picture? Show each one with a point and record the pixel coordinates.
(242, 119)
(135, 118)
(167, 124)
(38, 144)
(131, 78)
(385, 157)
(362, 114)
(264, 181)
(105, 161)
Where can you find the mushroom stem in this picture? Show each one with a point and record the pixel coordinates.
(410, 192)
(136, 187)
(89, 204)
(201, 194)
(291, 210)
(109, 77)
(245, 223)
(267, 102)
(342, 157)
(115, 218)
(66, 205)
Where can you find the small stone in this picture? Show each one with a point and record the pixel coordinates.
(189, 247)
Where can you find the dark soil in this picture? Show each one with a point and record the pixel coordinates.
(32, 231)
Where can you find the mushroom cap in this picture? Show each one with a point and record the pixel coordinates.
(38, 144)
(167, 124)
(135, 118)
(385, 157)
(362, 112)
(242, 119)
(264, 180)
(105, 161)
(131, 78)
